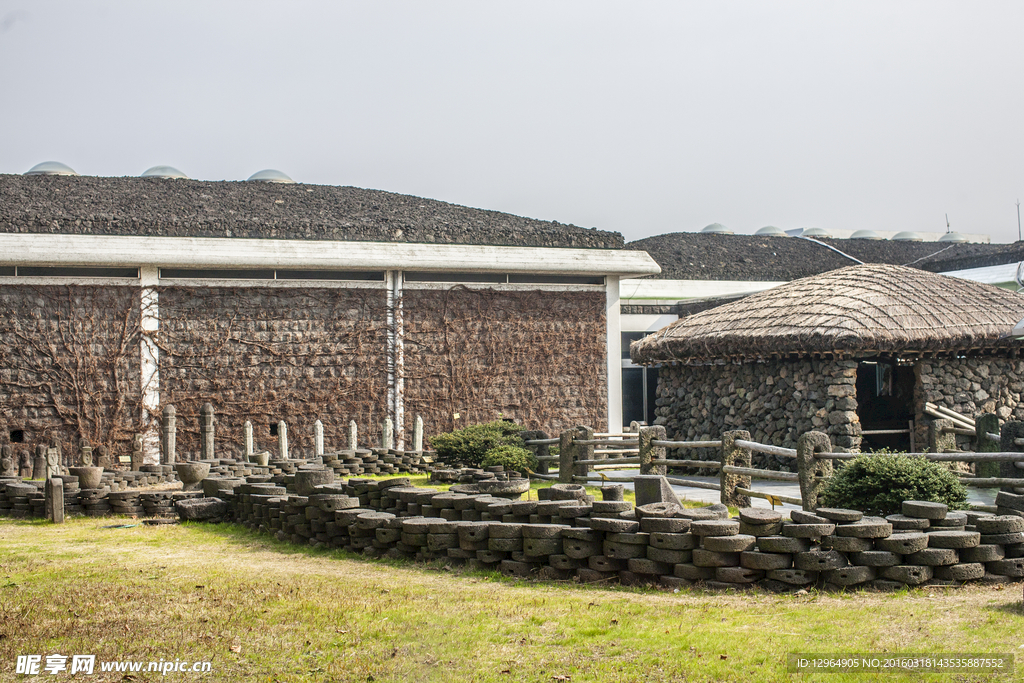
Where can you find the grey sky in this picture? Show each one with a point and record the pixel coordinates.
(640, 117)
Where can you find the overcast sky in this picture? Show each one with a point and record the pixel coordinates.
(639, 117)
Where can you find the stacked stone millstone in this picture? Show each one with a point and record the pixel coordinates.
(775, 401)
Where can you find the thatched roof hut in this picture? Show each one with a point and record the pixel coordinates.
(869, 310)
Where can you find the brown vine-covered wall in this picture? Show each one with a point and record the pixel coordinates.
(537, 357)
(69, 365)
(269, 354)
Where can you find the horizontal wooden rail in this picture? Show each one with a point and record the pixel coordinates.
(962, 431)
(878, 432)
(661, 443)
(603, 442)
(762, 474)
(962, 456)
(548, 458)
(542, 442)
(765, 448)
(615, 451)
(992, 437)
(713, 464)
(672, 480)
(768, 496)
(992, 482)
(983, 508)
(605, 461)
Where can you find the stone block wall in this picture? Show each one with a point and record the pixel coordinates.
(775, 401)
(969, 386)
(69, 365)
(537, 357)
(273, 354)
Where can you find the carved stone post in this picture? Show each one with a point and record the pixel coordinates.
(985, 424)
(8, 467)
(282, 440)
(39, 464)
(206, 421)
(85, 452)
(566, 455)
(417, 434)
(353, 435)
(137, 457)
(387, 436)
(735, 456)
(813, 473)
(247, 440)
(650, 454)
(1010, 433)
(940, 440)
(318, 437)
(54, 498)
(583, 452)
(168, 435)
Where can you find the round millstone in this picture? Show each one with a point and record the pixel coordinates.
(808, 530)
(716, 511)
(664, 524)
(1014, 567)
(1000, 524)
(760, 516)
(670, 541)
(729, 544)
(903, 544)
(982, 553)
(839, 514)
(850, 576)
(819, 560)
(710, 558)
(960, 572)
(795, 577)
(738, 574)
(773, 529)
(1003, 539)
(902, 522)
(783, 544)
(692, 572)
(953, 539)
(661, 510)
(715, 527)
(924, 509)
(876, 558)
(752, 559)
(614, 525)
(801, 517)
(933, 557)
(847, 544)
(865, 529)
(911, 575)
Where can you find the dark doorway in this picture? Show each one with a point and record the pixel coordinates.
(885, 392)
(639, 385)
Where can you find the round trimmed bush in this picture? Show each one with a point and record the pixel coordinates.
(512, 458)
(469, 445)
(878, 483)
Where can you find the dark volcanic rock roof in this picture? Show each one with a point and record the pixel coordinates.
(975, 256)
(192, 208)
(699, 256)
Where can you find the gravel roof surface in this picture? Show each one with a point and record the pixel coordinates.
(699, 256)
(191, 208)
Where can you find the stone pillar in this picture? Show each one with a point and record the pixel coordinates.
(169, 435)
(318, 437)
(939, 440)
(55, 445)
(54, 499)
(583, 452)
(417, 434)
(84, 452)
(8, 467)
(206, 421)
(649, 455)
(735, 456)
(25, 465)
(1011, 431)
(52, 462)
(103, 458)
(39, 463)
(353, 435)
(250, 447)
(138, 457)
(566, 455)
(813, 473)
(984, 424)
(387, 437)
(282, 440)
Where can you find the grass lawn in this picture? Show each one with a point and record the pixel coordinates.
(261, 610)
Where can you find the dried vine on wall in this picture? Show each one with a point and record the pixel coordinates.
(70, 364)
(537, 357)
(274, 354)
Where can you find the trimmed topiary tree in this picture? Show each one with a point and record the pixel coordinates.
(469, 445)
(512, 458)
(878, 483)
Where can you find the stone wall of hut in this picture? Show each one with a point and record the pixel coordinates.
(775, 401)
(969, 386)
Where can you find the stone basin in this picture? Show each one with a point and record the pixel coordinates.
(88, 477)
(191, 473)
(306, 481)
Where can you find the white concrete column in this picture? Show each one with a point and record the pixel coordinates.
(149, 324)
(396, 355)
(614, 353)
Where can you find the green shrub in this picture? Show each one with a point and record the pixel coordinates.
(512, 458)
(878, 483)
(469, 445)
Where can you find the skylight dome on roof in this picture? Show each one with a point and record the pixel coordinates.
(771, 231)
(716, 229)
(865, 235)
(954, 237)
(163, 172)
(816, 232)
(908, 236)
(271, 175)
(51, 168)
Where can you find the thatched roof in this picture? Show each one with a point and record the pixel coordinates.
(86, 205)
(866, 310)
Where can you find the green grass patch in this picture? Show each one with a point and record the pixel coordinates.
(262, 610)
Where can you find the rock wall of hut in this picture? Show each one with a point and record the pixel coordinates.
(775, 401)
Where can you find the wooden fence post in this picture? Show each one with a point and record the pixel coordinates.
(650, 454)
(984, 424)
(583, 452)
(813, 473)
(1010, 433)
(734, 456)
(939, 439)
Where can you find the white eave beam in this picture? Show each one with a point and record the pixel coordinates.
(230, 252)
